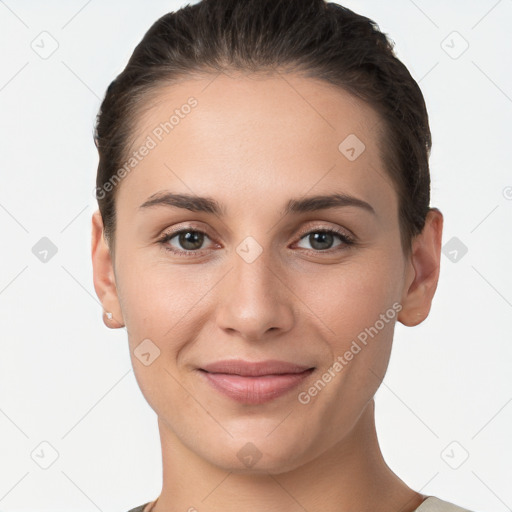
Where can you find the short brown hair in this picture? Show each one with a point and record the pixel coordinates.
(323, 40)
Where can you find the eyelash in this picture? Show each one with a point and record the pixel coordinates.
(347, 240)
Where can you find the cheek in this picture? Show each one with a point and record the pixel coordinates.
(358, 310)
(158, 297)
(351, 298)
(157, 302)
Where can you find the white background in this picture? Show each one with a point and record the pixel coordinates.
(65, 379)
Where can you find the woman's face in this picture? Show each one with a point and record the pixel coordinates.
(259, 284)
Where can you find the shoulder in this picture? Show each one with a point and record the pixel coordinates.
(434, 504)
(431, 504)
(139, 509)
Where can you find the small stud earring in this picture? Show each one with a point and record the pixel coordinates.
(109, 315)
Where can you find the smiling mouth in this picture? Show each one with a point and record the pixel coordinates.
(254, 383)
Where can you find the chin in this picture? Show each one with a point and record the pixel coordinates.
(259, 456)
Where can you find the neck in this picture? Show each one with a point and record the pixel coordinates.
(352, 475)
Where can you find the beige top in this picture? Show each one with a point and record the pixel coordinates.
(430, 504)
(433, 504)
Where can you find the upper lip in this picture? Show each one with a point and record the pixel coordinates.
(254, 369)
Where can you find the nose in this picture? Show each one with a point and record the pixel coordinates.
(255, 299)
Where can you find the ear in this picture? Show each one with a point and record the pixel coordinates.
(422, 273)
(103, 274)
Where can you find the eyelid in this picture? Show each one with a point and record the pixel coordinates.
(187, 226)
(171, 233)
(315, 227)
(311, 227)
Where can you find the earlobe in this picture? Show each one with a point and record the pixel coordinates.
(103, 275)
(423, 272)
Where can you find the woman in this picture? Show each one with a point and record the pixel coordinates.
(263, 222)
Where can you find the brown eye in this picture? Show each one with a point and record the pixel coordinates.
(322, 239)
(190, 240)
(187, 241)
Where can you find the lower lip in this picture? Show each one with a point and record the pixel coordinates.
(255, 390)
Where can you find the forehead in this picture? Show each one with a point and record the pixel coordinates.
(255, 136)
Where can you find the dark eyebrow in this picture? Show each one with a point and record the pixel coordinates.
(313, 203)
(185, 201)
(210, 205)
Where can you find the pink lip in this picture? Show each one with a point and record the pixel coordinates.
(254, 383)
